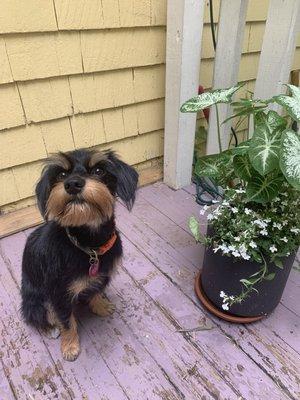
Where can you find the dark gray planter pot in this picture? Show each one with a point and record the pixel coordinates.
(224, 273)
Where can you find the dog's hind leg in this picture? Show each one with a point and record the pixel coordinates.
(33, 307)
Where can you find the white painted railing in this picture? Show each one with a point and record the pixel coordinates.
(184, 31)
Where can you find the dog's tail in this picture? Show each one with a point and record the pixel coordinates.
(33, 307)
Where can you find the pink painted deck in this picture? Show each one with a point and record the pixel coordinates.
(160, 343)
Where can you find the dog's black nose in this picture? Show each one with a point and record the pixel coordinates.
(74, 185)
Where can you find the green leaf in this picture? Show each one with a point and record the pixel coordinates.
(194, 228)
(278, 263)
(208, 166)
(207, 99)
(262, 189)
(265, 144)
(290, 157)
(243, 167)
(242, 148)
(290, 103)
(216, 166)
(270, 276)
(244, 111)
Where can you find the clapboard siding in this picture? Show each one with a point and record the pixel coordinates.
(78, 73)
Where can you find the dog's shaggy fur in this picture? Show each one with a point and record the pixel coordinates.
(76, 192)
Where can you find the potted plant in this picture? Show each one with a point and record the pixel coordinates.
(254, 225)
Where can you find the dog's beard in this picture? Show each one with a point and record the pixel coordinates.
(92, 207)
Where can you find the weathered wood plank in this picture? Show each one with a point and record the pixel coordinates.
(159, 336)
(29, 353)
(159, 253)
(6, 392)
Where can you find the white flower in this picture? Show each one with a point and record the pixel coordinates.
(277, 225)
(264, 232)
(215, 249)
(284, 239)
(240, 191)
(222, 294)
(234, 210)
(267, 220)
(285, 222)
(260, 223)
(284, 203)
(253, 244)
(225, 203)
(245, 256)
(235, 253)
(231, 248)
(276, 199)
(215, 201)
(237, 239)
(202, 212)
(295, 230)
(247, 211)
(224, 248)
(273, 248)
(231, 297)
(225, 306)
(210, 217)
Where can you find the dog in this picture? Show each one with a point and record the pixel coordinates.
(71, 257)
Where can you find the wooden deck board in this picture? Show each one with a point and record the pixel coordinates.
(138, 353)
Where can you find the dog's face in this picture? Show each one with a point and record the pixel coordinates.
(79, 187)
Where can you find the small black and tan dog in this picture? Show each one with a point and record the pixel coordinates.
(72, 256)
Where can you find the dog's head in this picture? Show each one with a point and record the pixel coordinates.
(79, 187)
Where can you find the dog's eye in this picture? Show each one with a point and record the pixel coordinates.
(98, 171)
(62, 175)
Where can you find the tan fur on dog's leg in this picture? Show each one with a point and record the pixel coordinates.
(101, 306)
(70, 341)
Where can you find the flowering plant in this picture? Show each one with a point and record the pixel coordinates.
(258, 216)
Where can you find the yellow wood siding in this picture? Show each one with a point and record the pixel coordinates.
(91, 73)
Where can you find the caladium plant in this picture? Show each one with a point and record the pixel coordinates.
(270, 156)
(258, 218)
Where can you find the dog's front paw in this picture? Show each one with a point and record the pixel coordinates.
(101, 306)
(70, 351)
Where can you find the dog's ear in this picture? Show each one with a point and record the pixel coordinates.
(127, 179)
(42, 191)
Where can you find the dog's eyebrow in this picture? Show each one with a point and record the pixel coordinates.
(96, 157)
(60, 160)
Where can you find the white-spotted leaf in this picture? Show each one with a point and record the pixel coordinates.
(290, 103)
(262, 189)
(264, 150)
(207, 99)
(243, 167)
(290, 158)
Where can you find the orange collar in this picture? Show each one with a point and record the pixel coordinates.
(108, 245)
(93, 253)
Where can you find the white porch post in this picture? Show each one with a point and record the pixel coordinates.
(231, 28)
(278, 48)
(184, 33)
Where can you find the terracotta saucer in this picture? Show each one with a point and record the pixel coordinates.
(214, 310)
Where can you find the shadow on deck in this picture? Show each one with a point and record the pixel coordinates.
(142, 352)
